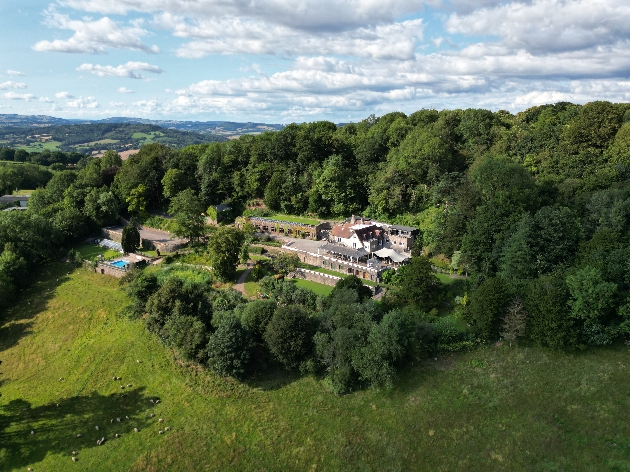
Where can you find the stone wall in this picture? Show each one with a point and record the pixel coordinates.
(107, 269)
(112, 234)
(321, 278)
(337, 265)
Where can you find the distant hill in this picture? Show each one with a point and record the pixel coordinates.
(40, 132)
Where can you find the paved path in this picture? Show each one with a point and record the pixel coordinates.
(240, 284)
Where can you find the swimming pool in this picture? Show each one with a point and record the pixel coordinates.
(120, 264)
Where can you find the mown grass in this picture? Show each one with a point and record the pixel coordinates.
(523, 409)
(319, 289)
(294, 219)
(89, 251)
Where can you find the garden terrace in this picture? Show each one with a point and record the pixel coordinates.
(294, 229)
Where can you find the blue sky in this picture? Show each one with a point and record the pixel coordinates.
(280, 61)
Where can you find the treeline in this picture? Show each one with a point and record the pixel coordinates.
(43, 158)
(535, 206)
(347, 337)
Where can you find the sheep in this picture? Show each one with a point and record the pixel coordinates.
(32, 432)
(151, 400)
(114, 378)
(118, 419)
(167, 428)
(111, 421)
(160, 432)
(157, 401)
(74, 459)
(96, 428)
(160, 420)
(135, 429)
(122, 386)
(60, 379)
(138, 361)
(126, 417)
(79, 435)
(128, 385)
(74, 453)
(117, 435)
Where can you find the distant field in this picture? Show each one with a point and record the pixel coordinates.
(294, 219)
(38, 147)
(148, 137)
(494, 409)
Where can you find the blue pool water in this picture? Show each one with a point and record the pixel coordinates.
(120, 263)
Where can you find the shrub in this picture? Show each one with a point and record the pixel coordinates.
(229, 348)
(289, 335)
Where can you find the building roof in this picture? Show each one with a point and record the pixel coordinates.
(221, 207)
(344, 250)
(393, 255)
(363, 232)
(403, 228)
(14, 198)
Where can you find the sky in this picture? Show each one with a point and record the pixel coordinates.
(283, 61)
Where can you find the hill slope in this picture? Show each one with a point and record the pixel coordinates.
(493, 409)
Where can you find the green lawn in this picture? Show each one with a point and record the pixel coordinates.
(294, 219)
(447, 279)
(319, 289)
(88, 251)
(148, 137)
(22, 192)
(494, 409)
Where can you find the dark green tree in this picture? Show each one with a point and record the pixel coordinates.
(188, 209)
(487, 308)
(352, 282)
(130, 238)
(289, 335)
(417, 285)
(229, 348)
(224, 249)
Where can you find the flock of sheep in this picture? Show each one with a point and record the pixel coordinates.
(101, 441)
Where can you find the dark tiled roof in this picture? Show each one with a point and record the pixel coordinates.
(403, 228)
(14, 198)
(344, 250)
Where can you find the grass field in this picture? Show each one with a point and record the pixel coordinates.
(39, 147)
(294, 219)
(494, 409)
(89, 251)
(148, 137)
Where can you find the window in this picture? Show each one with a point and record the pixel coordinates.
(354, 245)
(338, 240)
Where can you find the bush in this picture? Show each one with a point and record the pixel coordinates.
(289, 335)
(229, 348)
(352, 282)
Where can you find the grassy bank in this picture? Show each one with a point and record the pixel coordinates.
(492, 409)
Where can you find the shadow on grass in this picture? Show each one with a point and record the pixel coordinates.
(55, 426)
(15, 324)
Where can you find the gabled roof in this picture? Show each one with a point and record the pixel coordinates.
(344, 250)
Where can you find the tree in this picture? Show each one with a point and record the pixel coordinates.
(352, 282)
(224, 249)
(591, 304)
(417, 285)
(188, 209)
(514, 321)
(549, 323)
(285, 263)
(229, 348)
(187, 335)
(289, 335)
(244, 253)
(130, 240)
(174, 181)
(137, 200)
(486, 308)
(255, 316)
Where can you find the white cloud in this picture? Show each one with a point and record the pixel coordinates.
(93, 37)
(125, 70)
(304, 15)
(45, 100)
(15, 72)
(83, 102)
(19, 96)
(549, 25)
(125, 90)
(64, 95)
(12, 85)
(244, 36)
